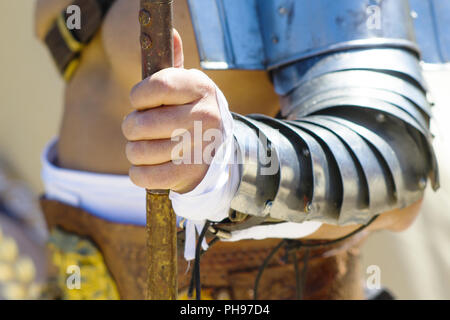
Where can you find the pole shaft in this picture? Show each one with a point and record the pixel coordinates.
(155, 18)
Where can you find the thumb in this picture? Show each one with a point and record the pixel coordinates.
(177, 50)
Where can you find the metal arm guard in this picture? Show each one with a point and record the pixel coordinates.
(354, 140)
(356, 143)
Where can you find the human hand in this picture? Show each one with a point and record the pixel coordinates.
(175, 111)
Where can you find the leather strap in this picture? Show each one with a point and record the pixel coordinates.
(65, 45)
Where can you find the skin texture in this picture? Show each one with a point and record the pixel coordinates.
(93, 135)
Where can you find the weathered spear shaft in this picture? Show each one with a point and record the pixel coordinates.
(155, 18)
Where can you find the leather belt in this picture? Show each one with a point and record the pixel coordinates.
(66, 44)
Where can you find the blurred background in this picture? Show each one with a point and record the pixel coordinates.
(414, 264)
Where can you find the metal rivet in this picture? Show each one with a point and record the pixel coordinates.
(282, 10)
(422, 183)
(275, 39)
(212, 230)
(306, 152)
(268, 207)
(430, 99)
(223, 234)
(146, 41)
(308, 207)
(144, 17)
(381, 117)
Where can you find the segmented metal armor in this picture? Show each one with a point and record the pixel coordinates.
(354, 138)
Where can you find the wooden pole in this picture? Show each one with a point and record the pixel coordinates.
(155, 18)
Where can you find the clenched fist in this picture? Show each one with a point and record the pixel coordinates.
(172, 107)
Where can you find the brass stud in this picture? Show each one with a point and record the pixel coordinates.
(144, 17)
(146, 41)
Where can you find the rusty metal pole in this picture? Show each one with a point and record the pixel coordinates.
(155, 18)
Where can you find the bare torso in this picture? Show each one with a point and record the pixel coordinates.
(96, 99)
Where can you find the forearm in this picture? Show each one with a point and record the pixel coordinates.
(394, 220)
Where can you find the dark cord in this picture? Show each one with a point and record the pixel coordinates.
(264, 265)
(195, 279)
(296, 245)
(297, 275)
(300, 294)
(300, 279)
(299, 243)
(191, 285)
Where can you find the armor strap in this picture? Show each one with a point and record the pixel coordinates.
(65, 45)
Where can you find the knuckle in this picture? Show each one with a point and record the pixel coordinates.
(138, 177)
(127, 128)
(135, 95)
(136, 125)
(143, 122)
(209, 118)
(133, 152)
(208, 88)
(151, 177)
(204, 84)
(162, 82)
